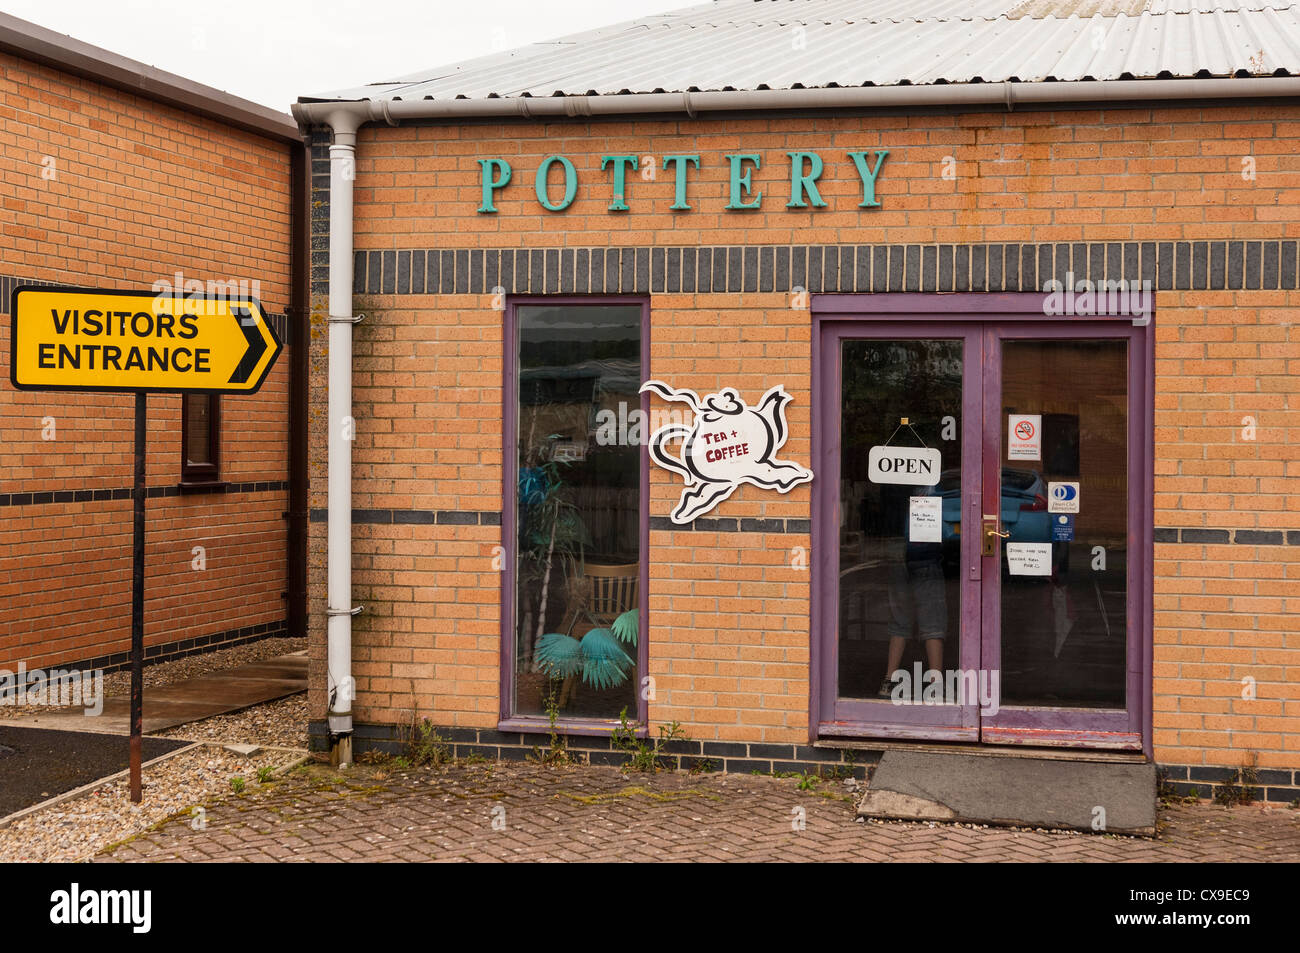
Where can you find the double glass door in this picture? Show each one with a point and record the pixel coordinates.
(980, 532)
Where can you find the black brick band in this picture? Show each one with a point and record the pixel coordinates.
(731, 756)
(1276, 786)
(734, 525)
(45, 497)
(417, 517)
(1241, 537)
(493, 518)
(791, 527)
(180, 648)
(1271, 785)
(1249, 265)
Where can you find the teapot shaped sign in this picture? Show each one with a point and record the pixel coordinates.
(729, 443)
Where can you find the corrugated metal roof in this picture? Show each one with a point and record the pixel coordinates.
(789, 44)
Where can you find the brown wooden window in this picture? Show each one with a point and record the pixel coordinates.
(200, 438)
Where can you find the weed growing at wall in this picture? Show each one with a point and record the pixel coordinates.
(643, 756)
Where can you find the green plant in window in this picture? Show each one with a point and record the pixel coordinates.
(626, 626)
(552, 532)
(596, 656)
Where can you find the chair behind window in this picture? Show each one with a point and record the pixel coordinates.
(610, 590)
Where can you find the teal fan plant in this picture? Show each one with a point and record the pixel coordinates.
(597, 656)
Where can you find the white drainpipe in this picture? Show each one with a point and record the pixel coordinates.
(342, 431)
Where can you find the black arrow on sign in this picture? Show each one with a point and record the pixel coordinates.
(256, 346)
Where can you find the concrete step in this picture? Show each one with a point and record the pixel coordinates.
(193, 699)
(1020, 790)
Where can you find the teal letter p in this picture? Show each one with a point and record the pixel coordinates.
(496, 173)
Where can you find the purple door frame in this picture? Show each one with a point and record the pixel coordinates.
(993, 317)
(509, 721)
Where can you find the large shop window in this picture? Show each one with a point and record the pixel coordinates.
(573, 607)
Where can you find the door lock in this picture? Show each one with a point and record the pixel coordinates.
(991, 536)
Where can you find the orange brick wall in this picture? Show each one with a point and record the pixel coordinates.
(139, 191)
(728, 615)
(1224, 613)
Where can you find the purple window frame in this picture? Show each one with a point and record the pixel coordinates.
(508, 720)
(918, 314)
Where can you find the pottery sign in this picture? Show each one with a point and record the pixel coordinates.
(729, 443)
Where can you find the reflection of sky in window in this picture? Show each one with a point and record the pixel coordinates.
(586, 323)
(615, 375)
(562, 345)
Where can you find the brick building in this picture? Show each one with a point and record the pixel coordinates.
(1024, 311)
(119, 176)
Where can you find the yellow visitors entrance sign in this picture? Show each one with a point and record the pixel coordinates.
(80, 339)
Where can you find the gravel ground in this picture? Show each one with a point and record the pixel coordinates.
(163, 673)
(280, 723)
(77, 829)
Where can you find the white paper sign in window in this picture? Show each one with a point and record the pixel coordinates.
(1029, 559)
(924, 519)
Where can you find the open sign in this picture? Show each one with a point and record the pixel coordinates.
(910, 466)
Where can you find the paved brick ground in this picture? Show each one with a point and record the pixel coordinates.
(598, 813)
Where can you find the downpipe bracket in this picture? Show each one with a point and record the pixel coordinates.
(357, 319)
(355, 611)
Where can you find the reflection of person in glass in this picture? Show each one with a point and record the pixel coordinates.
(917, 592)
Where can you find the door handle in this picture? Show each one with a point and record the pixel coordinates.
(991, 536)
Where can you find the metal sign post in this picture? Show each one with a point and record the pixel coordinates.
(137, 601)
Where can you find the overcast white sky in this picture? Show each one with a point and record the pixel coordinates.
(273, 51)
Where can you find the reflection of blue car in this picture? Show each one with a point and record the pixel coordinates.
(1024, 506)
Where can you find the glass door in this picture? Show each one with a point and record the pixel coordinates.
(906, 459)
(978, 577)
(1059, 577)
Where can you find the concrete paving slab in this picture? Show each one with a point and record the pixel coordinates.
(1114, 796)
(193, 699)
(286, 666)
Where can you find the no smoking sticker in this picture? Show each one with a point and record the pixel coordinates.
(1024, 436)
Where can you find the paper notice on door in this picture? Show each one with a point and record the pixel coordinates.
(924, 519)
(1024, 436)
(1029, 559)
